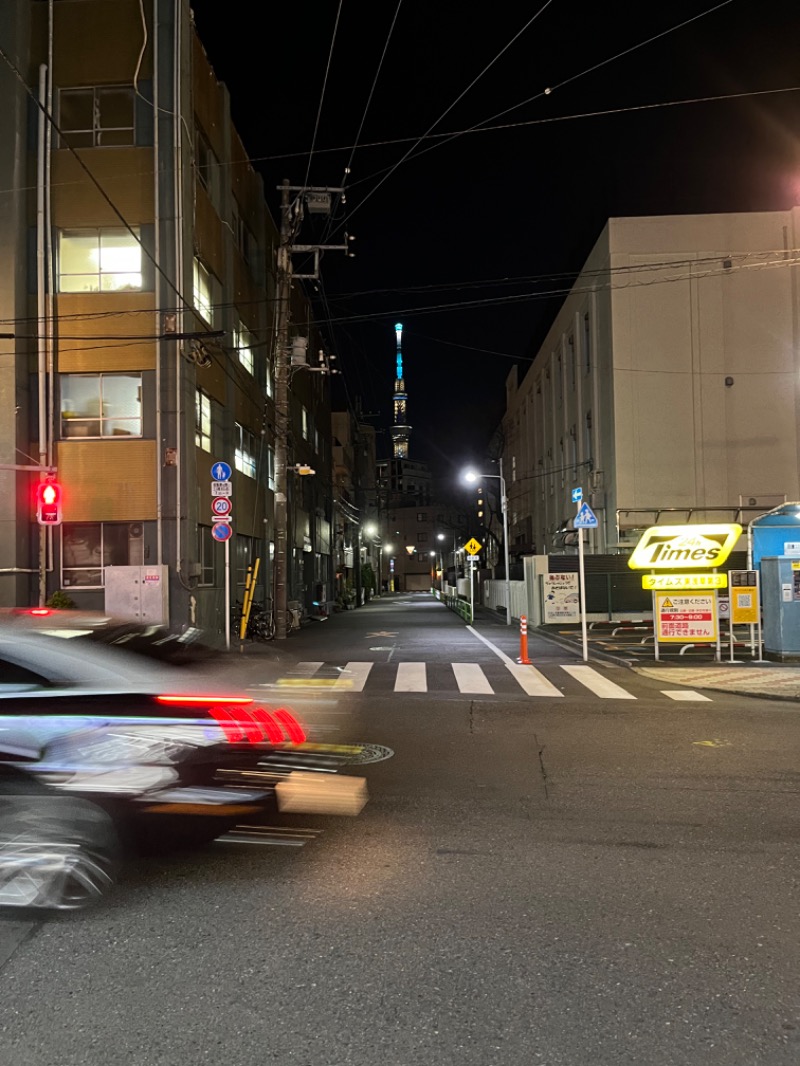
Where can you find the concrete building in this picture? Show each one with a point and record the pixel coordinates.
(668, 386)
(139, 284)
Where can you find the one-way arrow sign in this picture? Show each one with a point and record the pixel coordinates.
(585, 518)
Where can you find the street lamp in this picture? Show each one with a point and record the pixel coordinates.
(472, 476)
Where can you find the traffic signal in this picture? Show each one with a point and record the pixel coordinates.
(48, 503)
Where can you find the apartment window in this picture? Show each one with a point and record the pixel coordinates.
(421, 537)
(243, 343)
(422, 516)
(304, 422)
(571, 367)
(202, 420)
(207, 166)
(245, 452)
(207, 556)
(99, 260)
(101, 405)
(203, 291)
(587, 447)
(98, 117)
(88, 548)
(245, 241)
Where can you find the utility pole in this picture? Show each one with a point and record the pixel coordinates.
(318, 201)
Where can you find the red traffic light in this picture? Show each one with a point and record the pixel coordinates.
(48, 503)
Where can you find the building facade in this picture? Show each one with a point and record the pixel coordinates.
(142, 273)
(667, 388)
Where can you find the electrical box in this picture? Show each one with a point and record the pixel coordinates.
(780, 594)
(138, 593)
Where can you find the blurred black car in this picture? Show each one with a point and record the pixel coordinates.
(103, 751)
(182, 647)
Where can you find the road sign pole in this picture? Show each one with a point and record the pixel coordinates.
(228, 594)
(584, 638)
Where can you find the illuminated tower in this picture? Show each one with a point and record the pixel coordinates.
(401, 430)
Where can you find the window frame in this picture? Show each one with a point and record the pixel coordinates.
(203, 302)
(67, 232)
(95, 133)
(202, 401)
(100, 418)
(103, 528)
(244, 342)
(245, 458)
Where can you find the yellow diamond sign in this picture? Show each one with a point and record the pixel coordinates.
(472, 547)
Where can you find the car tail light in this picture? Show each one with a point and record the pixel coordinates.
(242, 723)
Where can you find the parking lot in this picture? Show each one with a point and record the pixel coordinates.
(634, 641)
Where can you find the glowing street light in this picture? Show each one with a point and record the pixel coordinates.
(471, 476)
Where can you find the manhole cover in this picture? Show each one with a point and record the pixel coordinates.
(369, 753)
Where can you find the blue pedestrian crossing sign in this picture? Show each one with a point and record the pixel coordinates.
(585, 518)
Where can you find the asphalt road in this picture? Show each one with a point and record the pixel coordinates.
(575, 878)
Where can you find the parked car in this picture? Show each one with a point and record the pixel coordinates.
(103, 751)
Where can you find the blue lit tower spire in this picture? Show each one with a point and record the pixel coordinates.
(401, 429)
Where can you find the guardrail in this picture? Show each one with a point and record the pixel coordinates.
(455, 603)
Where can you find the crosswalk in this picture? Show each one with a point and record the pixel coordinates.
(468, 679)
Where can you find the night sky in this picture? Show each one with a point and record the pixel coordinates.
(473, 241)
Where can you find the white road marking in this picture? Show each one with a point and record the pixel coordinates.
(411, 678)
(533, 682)
(596, 683)
(488, 643)
(684, 694)
(305, 669)
(471, 678)
(354, 677)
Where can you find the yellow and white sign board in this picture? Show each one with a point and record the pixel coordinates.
(678, 582)
(686, 618)
(685, 547)
(472, 547)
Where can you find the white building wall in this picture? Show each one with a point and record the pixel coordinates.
(628, 392)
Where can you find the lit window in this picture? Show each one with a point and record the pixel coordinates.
(101, 405)
(269, 384)
(271, 468)
(99, 260)
(99, 117)
(245, 453)
(243, 342)
(203, 296)
(304, 422)
(202, 421)
(88, 548)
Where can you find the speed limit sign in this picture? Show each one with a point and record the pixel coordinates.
(220, 506)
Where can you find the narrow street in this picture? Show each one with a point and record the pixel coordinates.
(600, 874)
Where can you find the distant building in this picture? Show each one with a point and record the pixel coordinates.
(668, 386)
